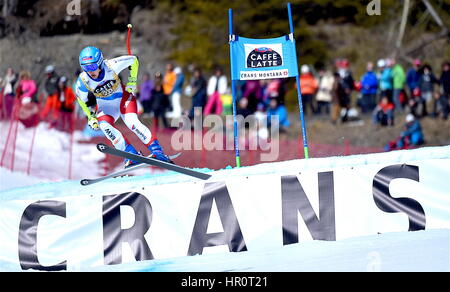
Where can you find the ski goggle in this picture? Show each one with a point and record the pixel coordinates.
(90, 67)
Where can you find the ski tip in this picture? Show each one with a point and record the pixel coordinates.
(175, 156)
(102, 147)
(84, 182)
(206, 176)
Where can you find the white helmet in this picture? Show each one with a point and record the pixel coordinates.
(49, 69)
(177, 70)
(410, 118)
(305, 69)
(381, 63)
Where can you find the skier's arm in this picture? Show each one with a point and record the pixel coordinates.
(82, 94)
(91, 115)
(85, 108)
(121, 63)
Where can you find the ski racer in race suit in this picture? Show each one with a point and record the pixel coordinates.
(114, 100)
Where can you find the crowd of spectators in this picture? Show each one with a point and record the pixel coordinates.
(384, 91)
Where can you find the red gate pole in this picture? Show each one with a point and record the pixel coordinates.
(30, 153)
(2, 104)
(12, 124)
(16, 126)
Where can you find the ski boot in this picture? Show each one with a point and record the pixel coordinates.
(128, 162)
(157, 152)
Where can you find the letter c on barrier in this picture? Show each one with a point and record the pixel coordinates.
(28, 234)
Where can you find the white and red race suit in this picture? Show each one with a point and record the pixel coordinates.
(113, 101)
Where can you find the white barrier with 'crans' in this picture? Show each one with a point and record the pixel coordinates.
(64, 226)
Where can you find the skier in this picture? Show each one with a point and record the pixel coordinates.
(114, 100)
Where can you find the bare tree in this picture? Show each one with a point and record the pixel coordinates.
(9, 7)
(405, 13)
(444, 33)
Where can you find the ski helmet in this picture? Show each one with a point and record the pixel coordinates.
(91, 59)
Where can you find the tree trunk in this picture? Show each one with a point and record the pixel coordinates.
(5, 8)
(401, 33)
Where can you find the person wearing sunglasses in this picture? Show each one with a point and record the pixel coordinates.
(114, 100)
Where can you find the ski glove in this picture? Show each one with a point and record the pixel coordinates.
(132, 79)
(93, 123)
(131, 85)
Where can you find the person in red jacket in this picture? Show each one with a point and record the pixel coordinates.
(308, 87)
(383, 114)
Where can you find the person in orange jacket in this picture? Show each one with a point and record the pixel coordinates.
(169, 80)
(308, 87)
(66, 104)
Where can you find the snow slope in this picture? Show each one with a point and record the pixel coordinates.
(50, 157)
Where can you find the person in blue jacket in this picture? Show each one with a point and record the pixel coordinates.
(413, 135)
(413, 76)
(369, 88)
(281, 112)
(386, 82)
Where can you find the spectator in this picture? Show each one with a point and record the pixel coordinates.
(308, 87)
(416, 104)
(426, 85)
(413, 77)
(169, 80)
(443, 99)
(348, 83)
(261, 121)
(280, 111)
(413, 135)
(398, 82)
(383, 114)
(51, 92)
(340, 100)
(198, 89)
(26, 108)
(176, 94)
(227, 102)
(160, 102)
(217, 86)
(369, 83)
(386, 83)
(272, 89)
(66, 104)
(444, 81)
(324, 94)
(146, 94)
(240, 87)
(243, 109)
(51, 83)
(8, 84)
(441, 106)
(253, 92)
(27, 88)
